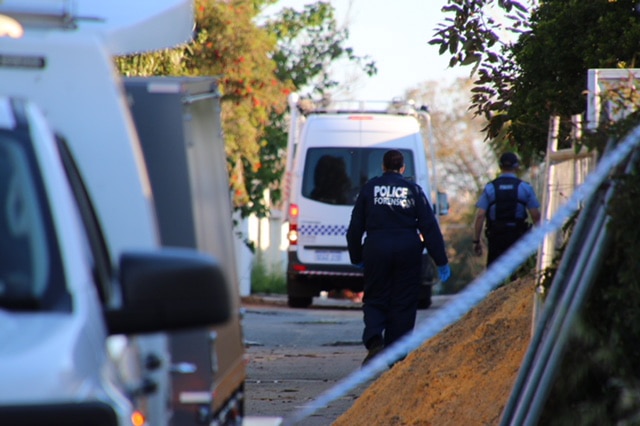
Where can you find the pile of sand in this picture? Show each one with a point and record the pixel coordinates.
(462, 376)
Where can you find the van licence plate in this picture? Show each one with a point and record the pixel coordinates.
(328, 256)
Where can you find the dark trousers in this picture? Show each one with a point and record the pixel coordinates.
(499, 243)
(392, 281)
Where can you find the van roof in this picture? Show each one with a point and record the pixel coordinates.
(360, 130)
(332, 106)
(364, 122)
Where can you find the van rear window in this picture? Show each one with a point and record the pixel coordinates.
(335, 175)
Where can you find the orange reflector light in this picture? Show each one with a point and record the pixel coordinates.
(137, 418)
(299, 268)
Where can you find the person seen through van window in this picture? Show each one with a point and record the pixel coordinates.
(332, 184)
(395, 214)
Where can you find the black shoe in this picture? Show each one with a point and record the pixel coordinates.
(375, 348)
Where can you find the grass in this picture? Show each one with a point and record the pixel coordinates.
(267, 280)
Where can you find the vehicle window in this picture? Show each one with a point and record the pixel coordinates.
(335, 175)
(31, 275)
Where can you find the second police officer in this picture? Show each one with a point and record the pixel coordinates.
(503, 208)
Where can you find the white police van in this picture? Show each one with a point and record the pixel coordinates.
(332, 152)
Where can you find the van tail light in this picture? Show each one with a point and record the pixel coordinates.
(294, 211)
(292, 236)
(299, 268)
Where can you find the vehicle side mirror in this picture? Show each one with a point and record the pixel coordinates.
(169, 289)
(443, 204)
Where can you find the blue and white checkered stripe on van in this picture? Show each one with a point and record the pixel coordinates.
(325, 230)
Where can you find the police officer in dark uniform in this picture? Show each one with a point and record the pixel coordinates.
(503, 205)
(392, 210)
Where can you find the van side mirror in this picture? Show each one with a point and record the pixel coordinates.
(169, 289)
(443, 204)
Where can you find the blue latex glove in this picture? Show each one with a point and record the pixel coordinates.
(445, 272)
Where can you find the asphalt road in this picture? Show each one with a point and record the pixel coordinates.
(294, 355)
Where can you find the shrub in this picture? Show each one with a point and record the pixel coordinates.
(265, 279)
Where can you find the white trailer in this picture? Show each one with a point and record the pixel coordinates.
(178, 123)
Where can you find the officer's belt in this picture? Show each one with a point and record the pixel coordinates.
(390, 230)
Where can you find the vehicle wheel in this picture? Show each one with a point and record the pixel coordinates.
(300, 302)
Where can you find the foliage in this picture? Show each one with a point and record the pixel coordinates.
(308, 43)
(521, 84)
(257, 67)
(267, 177)
(567, 39)
(600, 379)
(465, 265)
(165, 62)
(472, 38)
(267, 280)
(229, 44)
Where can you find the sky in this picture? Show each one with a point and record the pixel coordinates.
(395, 34)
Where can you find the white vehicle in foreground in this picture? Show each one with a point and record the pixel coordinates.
(61, 56)
(61, 293)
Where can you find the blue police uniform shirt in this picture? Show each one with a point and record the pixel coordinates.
(392, 203)
(526, 195)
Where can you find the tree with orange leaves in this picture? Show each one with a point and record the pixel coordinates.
(257, 66)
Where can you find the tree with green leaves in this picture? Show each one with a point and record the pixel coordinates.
(530, 66)
(228, 44)
(309, 41)
(475, 38)
(258, 66)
